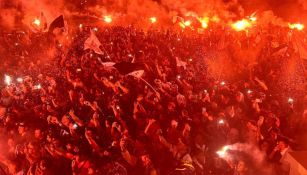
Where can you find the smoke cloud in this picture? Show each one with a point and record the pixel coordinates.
(15, 13)
(255, 157)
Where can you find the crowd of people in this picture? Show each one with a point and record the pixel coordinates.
(63, 111)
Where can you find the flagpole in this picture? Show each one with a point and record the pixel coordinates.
(156, 92)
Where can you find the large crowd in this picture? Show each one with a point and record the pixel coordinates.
(67, 113)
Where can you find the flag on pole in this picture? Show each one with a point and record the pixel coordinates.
(137, 73)
(57, 23)
(93, 43)
(280, 52)
(125, 68)
(43, 21)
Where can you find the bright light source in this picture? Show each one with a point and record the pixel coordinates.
(19, 80)
(37, 22)
(187, 23)
(7, 80)
(223, 152)
(107, 19)
(241, 25)
(253, 19)
(290, 100)
(153, 20)
(37, 87)
(204, 22)
(221, 122)
(223, 83)
(249, 91)
(296, 26)
(178, 76)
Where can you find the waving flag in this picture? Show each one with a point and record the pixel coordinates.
(93, 43)
(137, 74)
(108, 64)
(125, 68)
(57, 23)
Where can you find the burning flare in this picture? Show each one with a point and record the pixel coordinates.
(107, 19)
(241, 25)
(37, 22)
(187, 23)
(184, 24)
(296, 26)
(153, 20)
(223, 152)
(204, 22)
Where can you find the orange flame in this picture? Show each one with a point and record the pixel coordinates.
(241, 25)
(296, 26)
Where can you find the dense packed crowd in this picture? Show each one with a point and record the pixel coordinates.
(71, 114)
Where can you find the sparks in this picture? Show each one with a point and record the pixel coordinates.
(107, 19)
(296, 26)
(37, 22)
(153, 20)
(241, 25)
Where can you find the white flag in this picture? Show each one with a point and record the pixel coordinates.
(93, 43)
(108, 64)
(137, 73)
